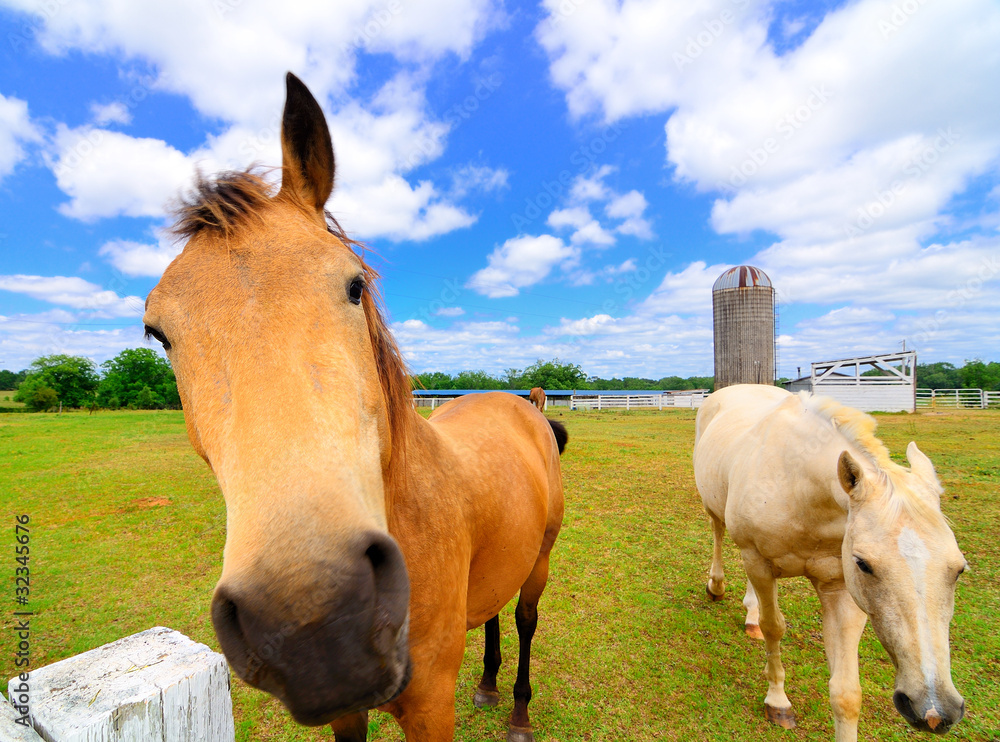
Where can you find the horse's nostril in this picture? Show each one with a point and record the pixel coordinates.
(904, 706)
(376, 555)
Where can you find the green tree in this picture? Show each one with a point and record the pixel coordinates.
(477, 380)
(433, 380)
(133, 372)
(979, 375)
(551, 375)
(940, 375)
(74, 379)
(40, 398)
(11, 379)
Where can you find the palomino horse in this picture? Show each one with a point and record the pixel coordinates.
(537, 398)
(362, 541)
(805, 488)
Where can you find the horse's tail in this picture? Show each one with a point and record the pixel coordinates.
(559, 431)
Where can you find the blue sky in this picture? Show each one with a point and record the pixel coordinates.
(534, 180)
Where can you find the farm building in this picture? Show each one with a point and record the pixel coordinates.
(743, 313)
(854, 382)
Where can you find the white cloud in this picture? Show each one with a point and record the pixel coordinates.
(449, 312)
(115, 112)
(520, 262)
(107, 173)
(478, 178)
(70, 291)
(137, 259)
(16, 129)
(217, 62)
(25, 337)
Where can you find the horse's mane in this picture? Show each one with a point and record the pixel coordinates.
(859, 430)
(234, 199)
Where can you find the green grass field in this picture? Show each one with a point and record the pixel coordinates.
(127, 531)
(7, 399)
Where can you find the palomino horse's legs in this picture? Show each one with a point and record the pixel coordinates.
(351, 728)
(752, 623)
(777, 707)
(716, 576)
(843, 623)
(486, 693)
(526, 617)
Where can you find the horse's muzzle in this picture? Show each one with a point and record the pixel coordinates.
(336, 647)
(932, 719)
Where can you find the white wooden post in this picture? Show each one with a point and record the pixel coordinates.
(628, 399)
(155, 686)
(10, 729)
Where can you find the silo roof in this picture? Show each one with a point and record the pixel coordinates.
(742, 277)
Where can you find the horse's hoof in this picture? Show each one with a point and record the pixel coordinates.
(484, 698)
(520, 734)
(754, 632)
(784, 718)
(712, 596)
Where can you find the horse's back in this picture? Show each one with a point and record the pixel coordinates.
(512, 499)
(721, 427)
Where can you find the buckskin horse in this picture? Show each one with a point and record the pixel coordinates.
(805, 488)
(362, 540)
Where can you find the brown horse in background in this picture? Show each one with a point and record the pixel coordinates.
(537, 397)
(362, 540)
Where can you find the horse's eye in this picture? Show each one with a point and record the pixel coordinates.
(863, 565)
(356, 290)
(152, 332)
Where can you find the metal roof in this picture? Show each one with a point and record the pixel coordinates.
(742, 277)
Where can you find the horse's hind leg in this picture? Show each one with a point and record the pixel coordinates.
(486, 693)
(526, 617)
(351, 728)
(777, 707)
(716, 576)
(752, 623)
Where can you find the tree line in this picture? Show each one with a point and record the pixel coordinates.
(135, 379)
(141, 379)
(552, 375)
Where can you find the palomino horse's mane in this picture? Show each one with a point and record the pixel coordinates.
(232, 201)
(859, 429)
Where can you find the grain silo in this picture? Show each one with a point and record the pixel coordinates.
(743, 308)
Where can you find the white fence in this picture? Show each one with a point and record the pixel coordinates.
(666, 400)
(956, 399)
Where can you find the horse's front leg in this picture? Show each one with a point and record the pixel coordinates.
(487, 693)
(843, 623)
(777, 707)
(426, 709)
(351, 728)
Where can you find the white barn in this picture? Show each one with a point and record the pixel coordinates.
(893, 389)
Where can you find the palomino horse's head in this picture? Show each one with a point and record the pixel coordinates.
(901, 564)
(293, 392)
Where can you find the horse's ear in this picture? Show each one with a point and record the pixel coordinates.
(306, 149)
(923, 468)
(850, 475)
